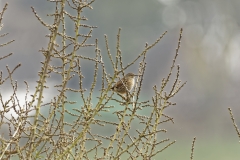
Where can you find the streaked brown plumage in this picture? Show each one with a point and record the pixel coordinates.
(125, 85)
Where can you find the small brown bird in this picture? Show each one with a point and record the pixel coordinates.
(125, 85)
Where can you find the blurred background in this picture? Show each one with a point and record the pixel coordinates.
(209, 59)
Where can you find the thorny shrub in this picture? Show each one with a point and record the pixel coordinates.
(34, 135)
